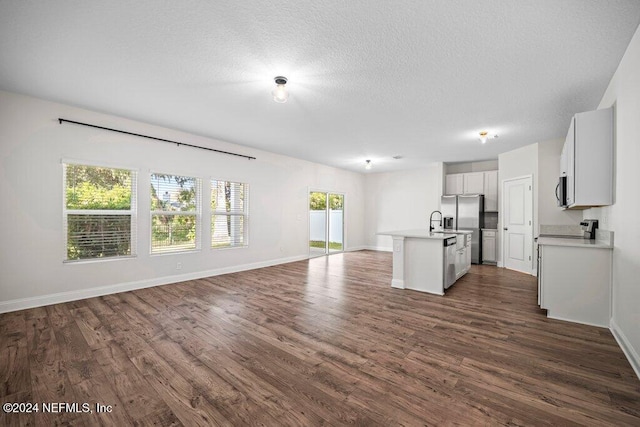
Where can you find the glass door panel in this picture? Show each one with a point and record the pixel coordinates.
(336, 222)
(317, 223)
(326, 223)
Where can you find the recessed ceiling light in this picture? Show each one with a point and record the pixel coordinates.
(397, 157)
(280, 93)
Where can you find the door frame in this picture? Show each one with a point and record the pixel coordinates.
(502, 221)
(344, 222)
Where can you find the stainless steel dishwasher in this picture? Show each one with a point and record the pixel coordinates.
(449, 261)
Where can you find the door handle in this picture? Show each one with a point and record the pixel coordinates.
(505, 229)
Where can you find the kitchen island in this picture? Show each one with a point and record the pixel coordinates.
(420, 262)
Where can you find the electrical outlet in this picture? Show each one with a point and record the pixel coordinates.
(179, 266)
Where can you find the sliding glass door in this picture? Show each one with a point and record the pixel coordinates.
(326, 223)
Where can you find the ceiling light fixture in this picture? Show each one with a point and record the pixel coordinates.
(280, 93)
(368, 164)
(484, 136)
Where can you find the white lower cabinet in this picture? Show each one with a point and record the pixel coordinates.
(574, 283)
(489, 246)
(461, 259)
(463, 255)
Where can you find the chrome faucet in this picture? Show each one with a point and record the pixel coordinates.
(431, 227)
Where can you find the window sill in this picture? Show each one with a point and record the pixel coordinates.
(188, 251)
(98, 260)
(222, 248)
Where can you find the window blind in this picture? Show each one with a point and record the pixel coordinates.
(99, 211)
(228, 214)
(175, 213)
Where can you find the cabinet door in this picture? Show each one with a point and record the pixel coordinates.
(593, 158)
(540, 279)
(467, 264)
(491, 191)
(489, 249)
(461, 259)
(569, 145)
(474, 183)
(563, 160)
(453, 184)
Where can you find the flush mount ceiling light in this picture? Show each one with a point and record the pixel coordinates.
(484, 135)
(280, 93)
(368, 164)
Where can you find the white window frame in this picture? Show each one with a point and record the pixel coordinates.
(197, 213)
(133, 212)
(244, 214)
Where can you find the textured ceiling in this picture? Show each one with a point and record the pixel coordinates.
(368, 79)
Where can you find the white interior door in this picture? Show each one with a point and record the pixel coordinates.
(517, 224)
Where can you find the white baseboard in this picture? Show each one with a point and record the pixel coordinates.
(397, 283)
(378, 248)
(627, 348)
(551, 316)
(60, 297)
(356, 248)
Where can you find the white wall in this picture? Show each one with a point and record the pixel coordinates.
(400, 201)
(487, 165)
(622, 216)
(32, 144)
(548, 173)
(514, 164)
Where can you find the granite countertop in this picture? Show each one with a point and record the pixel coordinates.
(418, 233)
(578, 243)
(455, 231)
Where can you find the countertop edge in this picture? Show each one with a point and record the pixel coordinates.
(417, 234)
(577, 243)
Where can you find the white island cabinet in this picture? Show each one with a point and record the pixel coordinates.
(419, 260)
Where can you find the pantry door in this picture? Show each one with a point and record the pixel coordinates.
(517, 224)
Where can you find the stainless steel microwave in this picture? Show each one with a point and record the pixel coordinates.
(561, 192)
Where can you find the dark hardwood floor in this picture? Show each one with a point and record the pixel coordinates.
(319, 342)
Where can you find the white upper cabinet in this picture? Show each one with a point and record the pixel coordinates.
(588, 156)
(564, 161)
(454, 184)
(491, 191)
(474, 183)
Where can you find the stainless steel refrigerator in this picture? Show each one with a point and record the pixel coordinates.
(468, 214)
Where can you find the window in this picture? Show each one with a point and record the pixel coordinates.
(175, 213)
(229, 214)
(99, 211)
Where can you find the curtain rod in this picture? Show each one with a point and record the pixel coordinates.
(157, 139)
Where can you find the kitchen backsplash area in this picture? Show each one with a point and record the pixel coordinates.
(491, 220)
